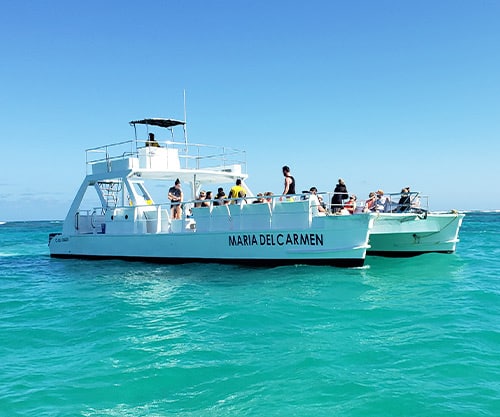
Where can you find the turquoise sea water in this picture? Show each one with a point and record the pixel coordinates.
(398, 337)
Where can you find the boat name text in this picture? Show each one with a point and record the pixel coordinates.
(280, 239)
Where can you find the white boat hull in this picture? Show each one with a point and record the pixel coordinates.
(410, 234)
(330, 240)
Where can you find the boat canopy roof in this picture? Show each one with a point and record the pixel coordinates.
(158, 122)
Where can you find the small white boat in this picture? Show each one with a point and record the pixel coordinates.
(115, 214)
(409, 228)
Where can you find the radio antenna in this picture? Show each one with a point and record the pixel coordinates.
(185, 121)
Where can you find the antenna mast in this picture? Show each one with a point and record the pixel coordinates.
(185, 121)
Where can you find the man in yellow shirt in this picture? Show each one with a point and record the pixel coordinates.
(234, 192)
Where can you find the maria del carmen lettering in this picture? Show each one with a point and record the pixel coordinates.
(279, 239)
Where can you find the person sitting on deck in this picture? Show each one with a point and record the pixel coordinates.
(259, 199)
(315, 200)
(404, 201)
(322, 203)
(219, 197)
(201, 199)
(241, 198)
(383, 202)
(152, 141)
(370, 204)
(208, 199)
(350, 206)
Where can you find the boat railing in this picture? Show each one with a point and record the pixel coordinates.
(417, 202)
(410, 202)
(282, 212)
(200, 156)
(191, 155)
(274, 212)
(393, 202)
(90, 221)
(108, 153)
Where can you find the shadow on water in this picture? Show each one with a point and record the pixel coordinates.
(377, 271)
(427, 266)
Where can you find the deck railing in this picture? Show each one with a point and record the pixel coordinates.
(191, 155)
(400, 203)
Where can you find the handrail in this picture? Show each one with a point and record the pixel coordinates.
(416, 203)
(195, 155)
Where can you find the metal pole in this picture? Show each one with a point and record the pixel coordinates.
(185, 120)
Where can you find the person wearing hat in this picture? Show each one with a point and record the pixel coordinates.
(175, 196)
(202, 196)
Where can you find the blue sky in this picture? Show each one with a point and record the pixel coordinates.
(381, 93)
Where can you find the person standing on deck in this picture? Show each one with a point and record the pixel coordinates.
(289, 182)
(235, 190)
(339, 194)
(175, 195)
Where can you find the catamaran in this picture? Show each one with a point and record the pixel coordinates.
(404, 226)
(115, 214)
